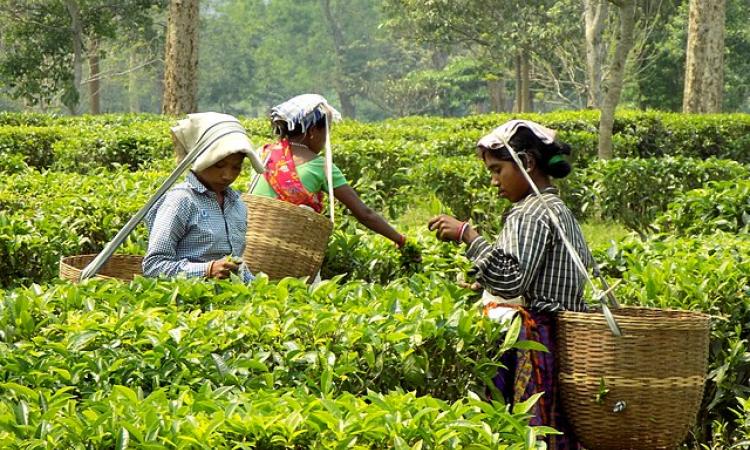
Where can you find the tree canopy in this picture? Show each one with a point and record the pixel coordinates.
(373, 59)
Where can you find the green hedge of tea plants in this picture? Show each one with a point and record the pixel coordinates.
(216, 365)
(46, 215)
(188, 363)
(630, 191)
(720, 205)
(635, 191)
(83, 143)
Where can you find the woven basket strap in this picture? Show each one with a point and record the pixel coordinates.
(256, 177)
(598, 294)
(329, 171)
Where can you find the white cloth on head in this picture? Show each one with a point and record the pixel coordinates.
(304, 110)
(221, 134)
(502, 134)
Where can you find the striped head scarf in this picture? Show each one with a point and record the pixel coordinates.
(302, 111)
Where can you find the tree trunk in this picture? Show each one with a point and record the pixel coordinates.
(76, 28)
(339, 83)
(612, 84)
(704, 65)
(497, 94)
(94, 84)
(523, 82)
(133, 97)
(518, 102)
(527, 105)
(181, 58)
(348, 108)
(596, 12)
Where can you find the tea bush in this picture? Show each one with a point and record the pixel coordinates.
(46, 215)
(83, 362)
(280, 365)
(34, 144)
(720, 205)
(267, 419)
(130, 146)
(629, 191)
(81, 143)
(635, 191)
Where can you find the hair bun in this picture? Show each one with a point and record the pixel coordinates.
(558, 166)
(563, 148)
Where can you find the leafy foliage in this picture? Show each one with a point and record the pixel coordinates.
(719, 206)
(47, 215)
(189, 361)
(635, 191)
(80, 144)
(389, 352)
(38, 39)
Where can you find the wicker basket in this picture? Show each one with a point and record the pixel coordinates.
(654, 373)
(122, 267)
(284, 240)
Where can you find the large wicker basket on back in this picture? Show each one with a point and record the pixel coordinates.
(122, 267)
(284, 240)
(639, 391)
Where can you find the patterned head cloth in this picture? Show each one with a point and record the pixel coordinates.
(502, 134)
(303, 111)
(222, 134)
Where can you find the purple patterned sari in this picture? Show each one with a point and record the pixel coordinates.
(529, 372)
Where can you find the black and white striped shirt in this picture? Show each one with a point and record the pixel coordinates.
(529, 258)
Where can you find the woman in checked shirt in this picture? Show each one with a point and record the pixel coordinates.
(197, 229)
(527, 271)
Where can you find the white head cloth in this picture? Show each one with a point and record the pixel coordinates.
(502, 134)
(304, 110)
(221, 133)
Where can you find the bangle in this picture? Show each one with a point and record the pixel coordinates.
(208, 269)
(464, 226)
(401, 241)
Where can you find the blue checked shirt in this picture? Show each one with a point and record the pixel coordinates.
(188, 229)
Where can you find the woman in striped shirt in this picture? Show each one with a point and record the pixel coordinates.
(527, 271)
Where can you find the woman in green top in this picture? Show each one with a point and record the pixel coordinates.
(295, 171)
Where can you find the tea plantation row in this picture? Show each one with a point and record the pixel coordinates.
(390, 353)
(83, 144)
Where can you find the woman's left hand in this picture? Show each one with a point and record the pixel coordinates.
(447, 228)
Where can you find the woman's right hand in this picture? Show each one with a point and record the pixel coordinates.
(222, 268)
(446, 228)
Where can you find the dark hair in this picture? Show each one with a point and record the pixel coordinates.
(282, 128)
(550, 158)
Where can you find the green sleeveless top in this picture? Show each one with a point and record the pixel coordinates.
(312, 175)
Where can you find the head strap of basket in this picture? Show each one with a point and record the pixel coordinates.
(220, 134)
(302, 112)
(501, 137)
